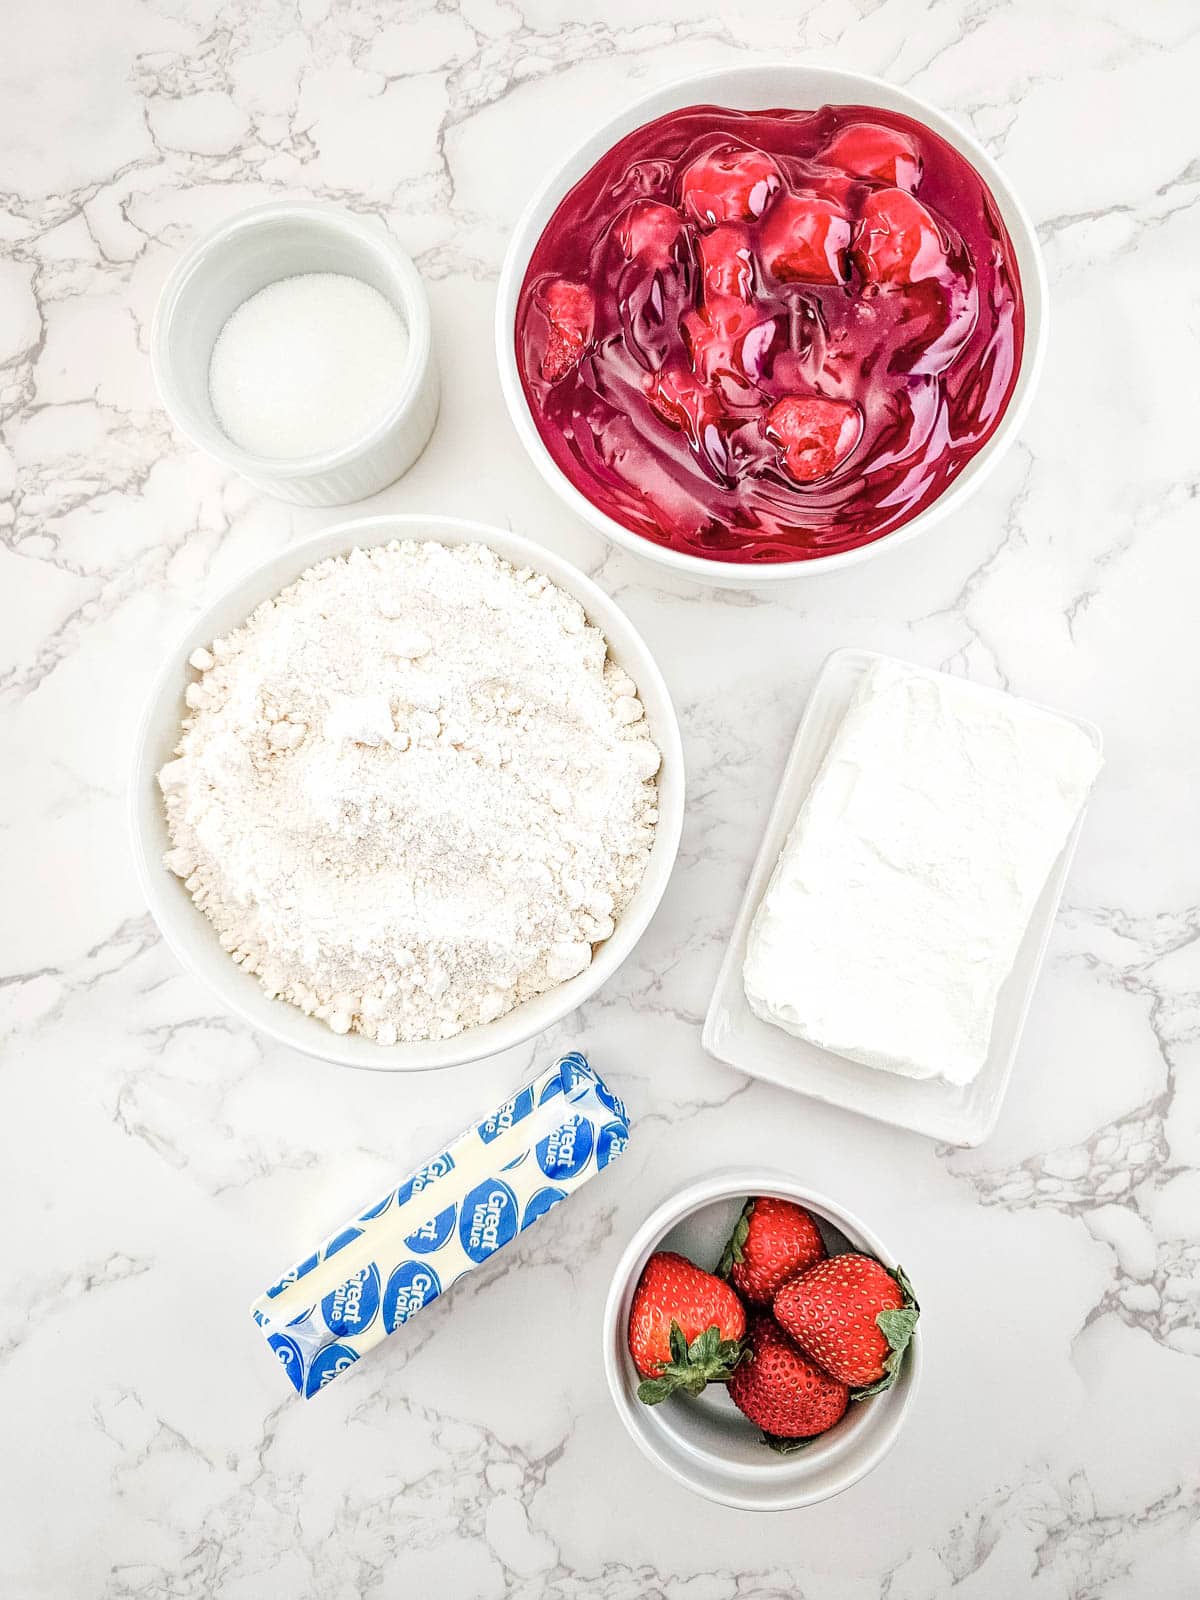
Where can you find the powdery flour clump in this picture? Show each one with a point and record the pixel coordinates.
(412, 790)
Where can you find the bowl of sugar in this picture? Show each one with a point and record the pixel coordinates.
(293, 345)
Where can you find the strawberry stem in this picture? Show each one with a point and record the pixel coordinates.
(708, 1359)
(897, 1327)
(786, 1447)
(735, 1244)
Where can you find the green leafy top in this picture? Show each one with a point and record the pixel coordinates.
(897, 1328)
(708, 1359)
(787, 1447)
(735, 1247)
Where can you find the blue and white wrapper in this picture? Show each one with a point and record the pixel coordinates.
(454, 1212)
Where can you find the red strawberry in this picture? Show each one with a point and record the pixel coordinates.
(649, 232)
(685, 1328)
(813, 435)
(869, 150)
(773, 1240)
(853, 1316)
(804, 239)
(570, 309)
(898, 241)
(781, 1390)
(730, 184)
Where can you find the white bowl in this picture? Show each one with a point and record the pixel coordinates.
(705, 1443)
(238, 259)
(192, 937)
(749, 89)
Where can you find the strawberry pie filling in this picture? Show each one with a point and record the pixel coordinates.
(769, 336)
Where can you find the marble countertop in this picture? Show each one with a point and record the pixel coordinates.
(160, 1160)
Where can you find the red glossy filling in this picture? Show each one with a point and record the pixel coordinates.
(768, 336)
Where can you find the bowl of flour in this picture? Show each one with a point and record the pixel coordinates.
(407, 794)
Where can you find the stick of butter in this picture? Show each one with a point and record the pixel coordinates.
(453, 1212)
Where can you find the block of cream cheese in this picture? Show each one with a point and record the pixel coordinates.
(900, 899)
(453, 1212)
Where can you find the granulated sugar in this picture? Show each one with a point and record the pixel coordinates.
(412, 790)
(307, 365)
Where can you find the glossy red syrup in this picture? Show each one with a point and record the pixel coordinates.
(769, 336)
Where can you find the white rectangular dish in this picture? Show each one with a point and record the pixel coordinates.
(958, 1114)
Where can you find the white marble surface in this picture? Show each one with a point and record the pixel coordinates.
(160, 1161)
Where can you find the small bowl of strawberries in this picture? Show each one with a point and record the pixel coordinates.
(761, 1344)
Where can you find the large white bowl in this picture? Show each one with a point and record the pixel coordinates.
(706, 1443)
(192, 937)
(756, 88)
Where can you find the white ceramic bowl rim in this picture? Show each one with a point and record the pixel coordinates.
(190, 935)
(778, 1483)
(410, 292)
(844, 87)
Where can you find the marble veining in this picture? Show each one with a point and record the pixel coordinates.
(161, 1161)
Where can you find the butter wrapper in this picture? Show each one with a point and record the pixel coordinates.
(454, 1212)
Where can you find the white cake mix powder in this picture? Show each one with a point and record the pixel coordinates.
(412, 790)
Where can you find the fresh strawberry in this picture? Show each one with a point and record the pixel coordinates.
(853, 1317)
(804, 239)
(730, 184)
(649, 232)
(686, 1328)
(869, 150)
(781, 1390)
(772, 1241)
(813, 435)
(570, 309)
(897, 240)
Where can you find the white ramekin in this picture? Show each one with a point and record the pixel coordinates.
(753, 88)
(705, 1443)
(193, 938)
(238, 259)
